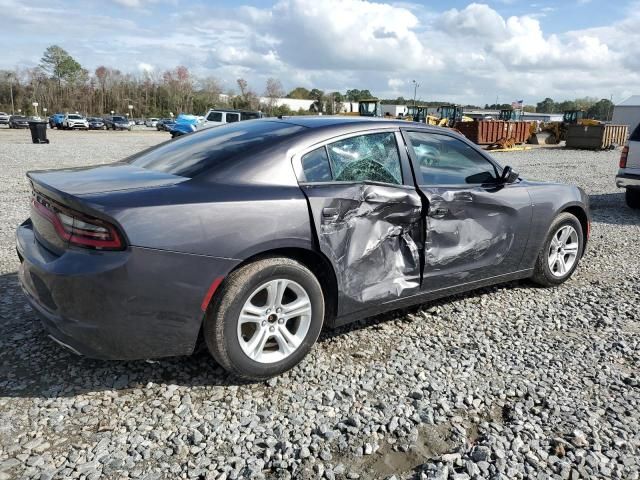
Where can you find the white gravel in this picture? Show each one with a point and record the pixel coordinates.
(509, 382)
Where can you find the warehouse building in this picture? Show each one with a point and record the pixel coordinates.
(627, 113)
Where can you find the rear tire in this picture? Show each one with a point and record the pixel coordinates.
(559, 257)
(276, 338)
(632, 197)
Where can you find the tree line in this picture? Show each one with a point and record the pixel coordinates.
(60, 84)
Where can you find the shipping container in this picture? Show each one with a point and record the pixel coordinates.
(596, 137)
(488, 132)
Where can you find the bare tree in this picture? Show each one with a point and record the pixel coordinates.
(273, 92)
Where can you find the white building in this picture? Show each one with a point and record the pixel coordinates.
(393, 110)
(627, 113)
(294, 104)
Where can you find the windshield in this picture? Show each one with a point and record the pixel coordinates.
(74, 117)
(119, 119)
(192, 154)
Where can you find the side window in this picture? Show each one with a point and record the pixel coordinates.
(446, 160)
(215, 117)
(372, 157)
(249, 115)
(232, 117)
(315, 165)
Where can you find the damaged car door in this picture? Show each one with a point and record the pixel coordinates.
(477, 224)
(367, 217)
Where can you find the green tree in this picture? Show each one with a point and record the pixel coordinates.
(546, 106)
(299, 93)
(61, 66)
(601, 110)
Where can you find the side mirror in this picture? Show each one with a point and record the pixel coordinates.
(508, 175)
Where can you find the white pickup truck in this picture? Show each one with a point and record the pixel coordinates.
(4, 118)
(629, 173)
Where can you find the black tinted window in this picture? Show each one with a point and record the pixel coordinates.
(635, 136)
(215, 117)
(249, 115)
(371, 157)
(315, 165)
(233, 117)
(446, 160)
(190, 155)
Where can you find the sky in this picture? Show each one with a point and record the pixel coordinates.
(456, 51)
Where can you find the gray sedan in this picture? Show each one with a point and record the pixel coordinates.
(258, 234)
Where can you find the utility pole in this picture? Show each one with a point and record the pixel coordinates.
(415, 91)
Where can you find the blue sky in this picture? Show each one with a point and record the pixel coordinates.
(457, 50)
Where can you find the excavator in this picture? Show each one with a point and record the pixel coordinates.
(552, 133)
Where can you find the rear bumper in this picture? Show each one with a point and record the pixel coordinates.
(625, 180)
(135, 304)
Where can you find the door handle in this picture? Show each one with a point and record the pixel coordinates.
(438, 212)
(330, 214)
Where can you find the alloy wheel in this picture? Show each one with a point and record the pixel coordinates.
(274, 321)
(563, 251)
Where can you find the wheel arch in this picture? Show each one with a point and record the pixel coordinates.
(316, 262)
(580, 213)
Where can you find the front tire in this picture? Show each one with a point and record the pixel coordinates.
(561, 251)
(632, 197)
(265, 318)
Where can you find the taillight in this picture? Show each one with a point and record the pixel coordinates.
(623, 157)
(77, 228)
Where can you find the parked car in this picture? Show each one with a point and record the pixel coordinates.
(185, 124)
(96, 123)
(116, 122)
(139, 121)
(55, 120)
(629, 173)
(18, 121)
(151, 122)
(165, 124)
(4, 118)
(217, 116)
(74, 121)
(258, 234)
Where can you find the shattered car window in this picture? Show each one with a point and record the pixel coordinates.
(446, 160)
(372, 157)
(315, 165)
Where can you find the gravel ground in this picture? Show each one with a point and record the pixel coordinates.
(507, 382)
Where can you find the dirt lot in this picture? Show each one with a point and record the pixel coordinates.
(506, 382)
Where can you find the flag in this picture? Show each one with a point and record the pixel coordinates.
(517, 104)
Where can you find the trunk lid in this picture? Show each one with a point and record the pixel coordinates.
(101, 179)
(58, 190)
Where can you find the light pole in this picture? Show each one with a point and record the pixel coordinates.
(44, 111)
(130, 107)
(415, 91)
(35, 107)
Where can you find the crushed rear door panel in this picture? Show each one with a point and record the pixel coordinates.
(373, 235)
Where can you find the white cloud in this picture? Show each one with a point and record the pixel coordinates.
(470, 54)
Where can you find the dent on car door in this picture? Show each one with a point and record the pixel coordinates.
(477, 227)
(367, 220)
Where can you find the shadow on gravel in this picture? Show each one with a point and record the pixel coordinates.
(32, 365)
(612, 208)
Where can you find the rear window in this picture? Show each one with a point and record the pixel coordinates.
(119, 119)
(190, 155)
(635, 136)
(75, 117)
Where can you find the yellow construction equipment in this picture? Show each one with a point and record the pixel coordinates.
(552, 133)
